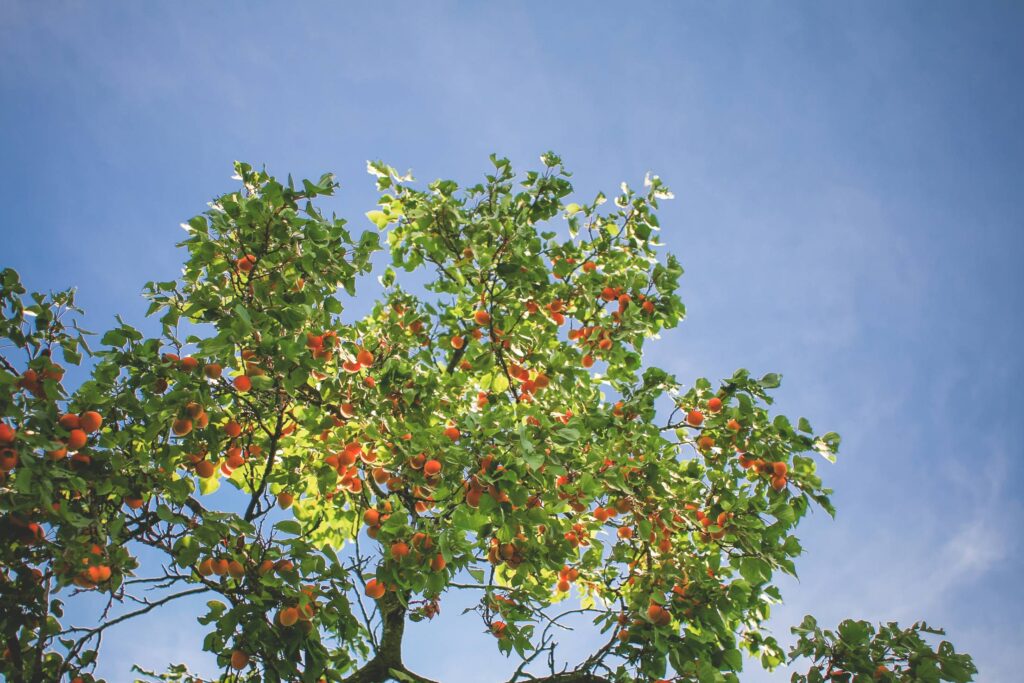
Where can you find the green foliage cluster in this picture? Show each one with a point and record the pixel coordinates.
(489, 426)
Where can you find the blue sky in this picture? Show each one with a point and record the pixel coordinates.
(847, 180)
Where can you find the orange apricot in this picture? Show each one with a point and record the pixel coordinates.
(288, 616)
(182, 426)
(69, 421)
(375, 589)
(76, 439)
(239, 660)
(246, 263)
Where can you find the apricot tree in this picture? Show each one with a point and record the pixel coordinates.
(488, 426)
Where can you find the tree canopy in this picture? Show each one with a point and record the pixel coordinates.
(489, 425)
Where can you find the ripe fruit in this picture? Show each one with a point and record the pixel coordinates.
(625, 532)
(188, 363)
(658, 615)
(212, 370)
(498, 629)
(732, 425)
(90, 421)
(285, 499)
(69, 421)
(432, 468)
(458, 342)
(588, 361)
(239, 660)
(715, 404)
(205, 469)
(564, 586)
(288, 616)
(364, 358)
(399, 550)
(235, 458)
(375, 589)
(778, 483)
(438, 563)
(134, 502)
(452, 433)
(371, 517)
(246, 263)
(694, 418)
(182, 426)
(76, 439)
(482, 317)
(243, 383)
(705, 443)
(220, 567)
(235, 569)
(233, 429)
(779, 469)
(206, 567)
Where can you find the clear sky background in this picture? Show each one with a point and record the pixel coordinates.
(848, 181)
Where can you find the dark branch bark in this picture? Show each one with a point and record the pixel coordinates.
(387, 664)
(571, 677)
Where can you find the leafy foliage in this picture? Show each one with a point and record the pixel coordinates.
(488, 426)
(856, 651)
